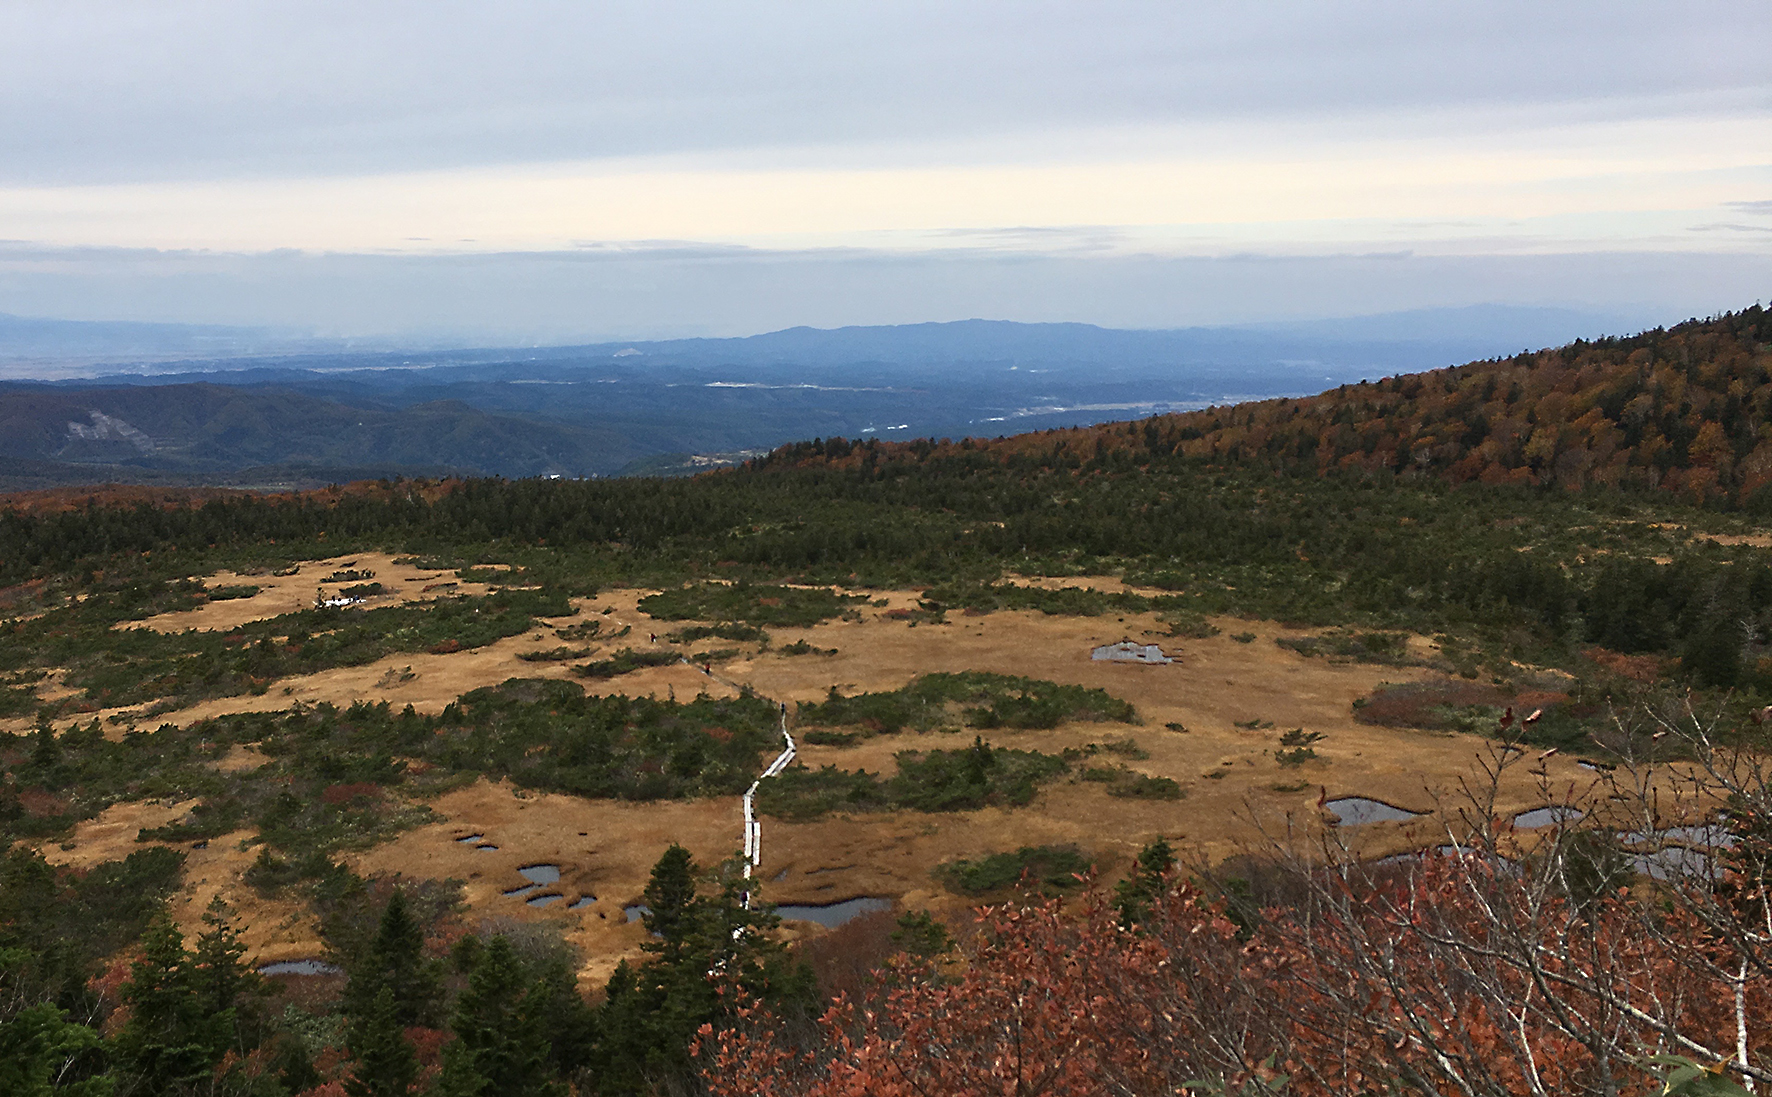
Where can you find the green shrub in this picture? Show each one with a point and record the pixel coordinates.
(802, 793)
(1342, 645)
(976, 698)
(625, 661)
(1142, 786)
(757, 605)
(227, 594)
(932, 781)
(962, 780)
(210, 818)
(553, 655)
(1048, 868)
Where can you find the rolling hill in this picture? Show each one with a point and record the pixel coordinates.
(1687, 410)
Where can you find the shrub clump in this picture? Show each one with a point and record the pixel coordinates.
(1347, 645)
(1049, 868)
(931, 781)
(975, 698)
(625, 661)
(788, 607)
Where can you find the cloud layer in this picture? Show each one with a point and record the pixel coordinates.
(1121, 134)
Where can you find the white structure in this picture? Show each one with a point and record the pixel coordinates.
(1128, 652)
(753, 830)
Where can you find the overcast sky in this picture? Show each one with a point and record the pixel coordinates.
(562, 170)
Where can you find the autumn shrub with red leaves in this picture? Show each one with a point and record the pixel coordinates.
(1447, 982)
(1465, 972)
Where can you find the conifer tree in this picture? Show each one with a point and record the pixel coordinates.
(1133, 895)
(395, 959)
(38, 1043)
(170, 1041)
(500, 1046)
(385, 1063)
(668, 897)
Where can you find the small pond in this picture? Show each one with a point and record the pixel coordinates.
(300, 967)
(519, 892)
(636, 912)
(544, 899)
(832, 915)
(1665, 864)
(1703, 835)
(582, 902)
(1354, 811)
(470, 839)
(1545, 816)
(540, 874)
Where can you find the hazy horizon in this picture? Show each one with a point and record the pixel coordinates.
(540, 172)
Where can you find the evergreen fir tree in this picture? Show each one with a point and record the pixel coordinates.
(500, 1046)
(1134, 894)
(38, 1042)
(170, 1041)
(668, 898)
(395, 959)
(385, 1063)
(218, 976)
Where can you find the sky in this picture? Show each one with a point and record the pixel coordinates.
(556, 171)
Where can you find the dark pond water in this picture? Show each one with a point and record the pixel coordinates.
(1708, 835)
(540, 874)
(1545, 816)
(544, 900)
(832, 915)
(1354, 811)
(1665, 864)
(300, 967)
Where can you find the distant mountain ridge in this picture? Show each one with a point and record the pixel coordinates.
(680, 405)
(1454, 333)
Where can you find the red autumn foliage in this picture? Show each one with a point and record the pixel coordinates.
(40, 803)
(345, 793)
(1461, 975)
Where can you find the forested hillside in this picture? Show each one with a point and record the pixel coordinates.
(1686, 410)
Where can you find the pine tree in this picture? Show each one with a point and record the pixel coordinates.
(713, 952)
(500, 1046)
(170, 1040)
(385, 1063)
(218, 977)
(1133, 895)
(395, 959)
(669, 896)
(38, 1042)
